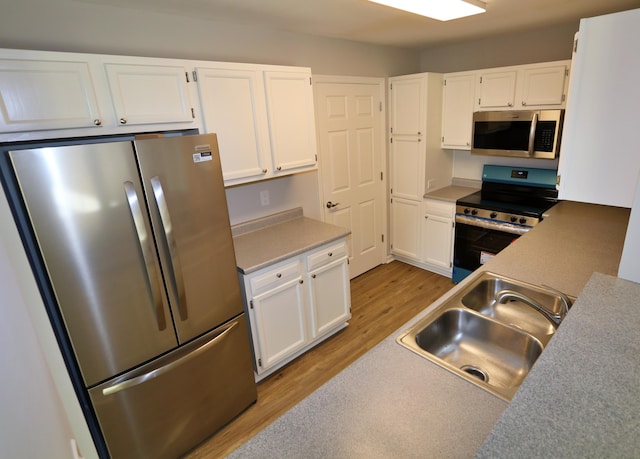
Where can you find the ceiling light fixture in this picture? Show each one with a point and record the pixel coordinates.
(442, 10)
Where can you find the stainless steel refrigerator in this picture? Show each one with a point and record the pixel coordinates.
(134, 238)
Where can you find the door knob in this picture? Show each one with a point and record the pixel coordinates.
(331, 204)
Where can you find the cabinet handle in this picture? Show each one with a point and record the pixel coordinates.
(278, 275)
(97, 122)
(123, 121)
(330, 254)
(279, 168)
(264, 171)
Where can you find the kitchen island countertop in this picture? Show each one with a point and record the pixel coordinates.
(394, 403)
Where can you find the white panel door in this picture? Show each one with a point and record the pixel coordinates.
(351, 142)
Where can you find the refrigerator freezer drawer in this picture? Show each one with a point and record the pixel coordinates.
(168, 406)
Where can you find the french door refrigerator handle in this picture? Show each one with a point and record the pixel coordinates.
(175, 268)
(127, 384)
(532, 133)
(146, 247)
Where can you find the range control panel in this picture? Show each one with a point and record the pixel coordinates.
(501, 217)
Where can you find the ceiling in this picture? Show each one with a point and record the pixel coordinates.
(363, 21)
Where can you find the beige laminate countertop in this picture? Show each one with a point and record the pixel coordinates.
(276, 238)
(394, 403)
(450, 193)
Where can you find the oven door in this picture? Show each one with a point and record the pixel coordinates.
(477, 241)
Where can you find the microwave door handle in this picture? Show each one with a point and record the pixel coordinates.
(532, 133)
(175, 267)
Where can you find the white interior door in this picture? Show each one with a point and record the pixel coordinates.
(349, 116)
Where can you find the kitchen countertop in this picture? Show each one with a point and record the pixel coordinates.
(263, 242)
(394, 403)
(450, 193)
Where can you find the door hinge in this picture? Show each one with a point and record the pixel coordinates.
(382, 237)
(480, 80)
(442, 139)
(310, 84)
(391, 192)
(193, 114)
(316, 157)
(575, 45)
(259, 362)
(380, 105)
(453, 224)
(563, 98)
(391, 86)
(381, 175)
(444, 82)
(186, 75)
(251, 304)
(195, 75)
(566, 72)
(479, 99)
(450, 265)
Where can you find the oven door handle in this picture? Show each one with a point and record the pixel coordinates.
(488, 224)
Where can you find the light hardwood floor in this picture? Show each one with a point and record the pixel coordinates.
(382, 300)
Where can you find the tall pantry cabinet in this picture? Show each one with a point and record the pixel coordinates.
(417, 163)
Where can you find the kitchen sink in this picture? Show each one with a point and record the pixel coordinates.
(491, 332)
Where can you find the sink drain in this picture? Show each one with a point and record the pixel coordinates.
(475, 372)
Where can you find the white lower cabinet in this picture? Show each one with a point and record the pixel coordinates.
(296, 303)
(437, 236)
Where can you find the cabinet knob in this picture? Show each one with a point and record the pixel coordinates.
(301, 281)
(123, 121)
(313, 276)
(97, 122)
(509, 104)
(264, 171)
(278, 275)
(524, 103)
(330, 254)
(279, 168)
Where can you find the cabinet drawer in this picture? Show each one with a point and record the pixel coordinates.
(440, 208)
(273, 277)
(326, 255)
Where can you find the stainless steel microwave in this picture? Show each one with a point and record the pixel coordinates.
(522, 133)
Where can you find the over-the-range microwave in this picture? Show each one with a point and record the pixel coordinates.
(521, 133)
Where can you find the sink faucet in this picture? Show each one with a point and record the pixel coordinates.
(505, 295)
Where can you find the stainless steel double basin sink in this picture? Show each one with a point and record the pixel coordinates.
(490, 332)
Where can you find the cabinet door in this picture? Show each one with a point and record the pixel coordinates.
(407, 160)
(437, 240)
(457, 111)
(330, 298)
(148, 94)
(233, 107)
(41, 95)
(543, 86)
(407, 106)
(497, 89)
(405, 228)
(291, 120)
(280, 322)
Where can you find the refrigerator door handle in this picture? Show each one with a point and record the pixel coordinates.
(146, 248)
(175, 268)
(168, 367)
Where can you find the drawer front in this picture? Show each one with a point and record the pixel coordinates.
(326, 255)
(274, 276)
(440, 208)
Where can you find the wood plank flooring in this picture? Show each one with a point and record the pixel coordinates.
(382, 300)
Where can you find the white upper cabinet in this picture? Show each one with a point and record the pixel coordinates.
(458, 100)
(599, 160)
(149, 94)
(408, 106)
(40, 95)
(544, 86)
(291, 120)
(263, 116)
(497, 89)
(233, 107)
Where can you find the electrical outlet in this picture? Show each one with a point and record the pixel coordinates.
(264, 198)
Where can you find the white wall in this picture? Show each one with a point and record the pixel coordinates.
(40, 413)
(542, 45)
